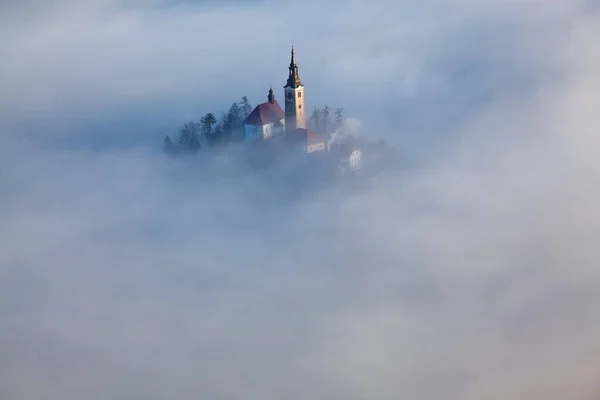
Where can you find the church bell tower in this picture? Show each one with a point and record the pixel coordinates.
(294, 99)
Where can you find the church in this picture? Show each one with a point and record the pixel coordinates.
(269, 121)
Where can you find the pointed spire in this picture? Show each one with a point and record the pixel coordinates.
(293, 61)
(293, 79)
(271, 96)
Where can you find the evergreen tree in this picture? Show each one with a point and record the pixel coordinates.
(235, 115)
(169, 146)
(235, 119)
(245, 107)
(189, 136)
(207, 123)
(224, 124)
(218, 132)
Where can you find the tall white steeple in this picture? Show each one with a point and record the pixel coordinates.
(295, 117)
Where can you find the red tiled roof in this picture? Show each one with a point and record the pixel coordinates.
(265, 113)
(313, 138)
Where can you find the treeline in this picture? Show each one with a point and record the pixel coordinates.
(210, 131)
(323, 122)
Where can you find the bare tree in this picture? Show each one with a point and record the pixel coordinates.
(315, 119)
(245, 106)
(325, 113)
(339, 117)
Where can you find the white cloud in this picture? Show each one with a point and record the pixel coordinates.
(94, 59)
(470, 275)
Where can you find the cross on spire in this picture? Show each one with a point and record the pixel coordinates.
(293, 62)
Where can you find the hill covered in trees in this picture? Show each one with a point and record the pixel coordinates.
(211, 131)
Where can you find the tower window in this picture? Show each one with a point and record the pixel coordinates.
(300, 106)
(290, 95)
(299, 94)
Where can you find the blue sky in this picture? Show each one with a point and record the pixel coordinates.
(471, 275)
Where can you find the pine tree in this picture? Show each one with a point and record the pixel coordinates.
(225, 126)
(169, 146)
(245, 106)
(235, 118)
(207, 123)
(189, 136)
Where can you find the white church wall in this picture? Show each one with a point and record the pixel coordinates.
(279, 131)
(267, 131)
(355, 160)
(316, 147)
(252, 133)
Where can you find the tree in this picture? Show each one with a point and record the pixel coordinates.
(189, 136)
(207, 123)
(325, 112)
(224, 124)
(245, 107)
(169, 145)
(235, 115)
(339, 117)
(193, 135)
(234, 119)
(219, 132)
(315, 118)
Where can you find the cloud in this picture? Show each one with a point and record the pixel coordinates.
(467, 271)
(84, 64)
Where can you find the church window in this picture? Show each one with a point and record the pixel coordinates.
(300, 106)
(290, 95)
(299, 94)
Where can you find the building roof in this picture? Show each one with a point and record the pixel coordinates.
(264, 114)
(313, 138)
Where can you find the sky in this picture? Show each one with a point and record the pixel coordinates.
(465, 269)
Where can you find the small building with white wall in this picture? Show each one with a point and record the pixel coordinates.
(347, 156)
(266, 121)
